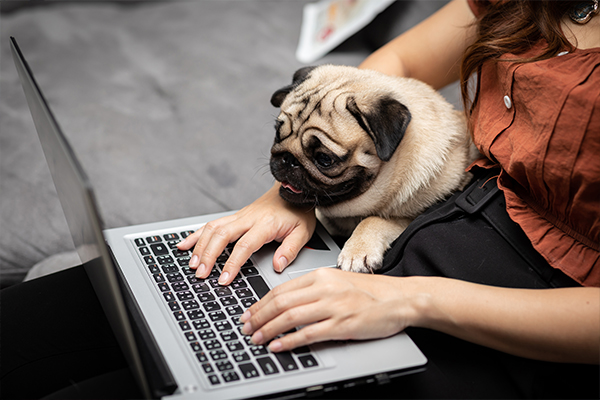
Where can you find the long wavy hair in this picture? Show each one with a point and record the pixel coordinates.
(513, 26)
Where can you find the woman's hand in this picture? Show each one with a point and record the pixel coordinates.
(334, 305)
(269, 218)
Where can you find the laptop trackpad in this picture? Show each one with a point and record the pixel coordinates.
(296, 274)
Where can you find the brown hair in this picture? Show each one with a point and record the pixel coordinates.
(513, 26)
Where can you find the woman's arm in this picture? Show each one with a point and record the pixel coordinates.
(552, 325)
(432, 50)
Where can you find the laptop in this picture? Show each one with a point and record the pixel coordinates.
(181, 335)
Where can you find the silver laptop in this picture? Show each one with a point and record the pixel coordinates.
(181, 335)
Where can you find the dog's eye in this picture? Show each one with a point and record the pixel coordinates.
(323, 160)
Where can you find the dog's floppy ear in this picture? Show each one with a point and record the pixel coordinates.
(299, 76)
(385, 122)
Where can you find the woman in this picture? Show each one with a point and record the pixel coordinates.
(535, 116)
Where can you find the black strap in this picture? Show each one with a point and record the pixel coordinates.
(482, 198)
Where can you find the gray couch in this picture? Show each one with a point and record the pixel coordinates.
(166, 103)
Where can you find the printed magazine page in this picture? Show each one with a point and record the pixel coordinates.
(328, 23)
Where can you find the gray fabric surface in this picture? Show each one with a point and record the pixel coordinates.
(166, 104)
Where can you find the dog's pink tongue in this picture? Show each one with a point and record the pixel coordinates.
(290, 187)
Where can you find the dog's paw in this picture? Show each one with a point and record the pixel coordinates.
(361, 256)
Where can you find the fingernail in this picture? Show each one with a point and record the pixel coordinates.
(194, 261)
(282, 263)
(257, 338)
(201, 270)
(223, 278)
(247, 328)
(275, 346)
(245, 316)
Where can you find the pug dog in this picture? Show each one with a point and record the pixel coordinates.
(369, 151)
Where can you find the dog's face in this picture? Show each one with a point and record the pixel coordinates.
(335, 130)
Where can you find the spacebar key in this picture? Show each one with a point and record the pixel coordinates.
(259, 285)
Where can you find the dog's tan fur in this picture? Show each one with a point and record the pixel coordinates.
(428, 163)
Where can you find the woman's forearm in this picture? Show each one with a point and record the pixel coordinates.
(431, 51)
(561, 325)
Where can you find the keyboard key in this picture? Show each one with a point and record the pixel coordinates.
(159, 249)
(144, 251)
(223, 291)
(308, 361)
(211, 306)
(243, 293)
(212, 345)
(185, 326)
(200, 287)
(201, 324)
(165, 259)
(139, 242)
(179, 316)
(153, 239)
(234, 346)
(224, 365)
(149, 260)
(207, 368)
(185, 234)
(228, 336)
(240, 356)
(189, 305)
(190, 336)
(178, 253)
(267, 365)
(206, 334)
(249, 370)
(163, 287)
(249, 271)
(222, 326)
(171, 236)
(153, 268)
(228, 301)
(248, 301)
(185, 295)
(258, 350)
(259, 285)
(217, 316)
(206, 296)
(195, 314)
(214, 380)
(301, 350)
(180, 286)
(230, 376)
(286, 361)
(183, 261)
(234, 310)
(218, 355)
(196, 347)
(202, 357)
(238, 284)
(174, 277)
(174, 306)
(169, 268)
(169, 296)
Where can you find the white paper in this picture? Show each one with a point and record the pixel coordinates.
(328, 23)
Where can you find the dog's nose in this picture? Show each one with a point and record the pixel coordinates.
(290, 160)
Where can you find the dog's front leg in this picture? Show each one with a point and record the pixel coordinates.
(364, 250)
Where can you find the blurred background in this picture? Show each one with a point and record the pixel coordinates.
(166, 103)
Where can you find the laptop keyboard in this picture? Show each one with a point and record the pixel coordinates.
(207, 314)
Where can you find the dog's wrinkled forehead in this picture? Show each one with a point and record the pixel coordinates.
(311, 101)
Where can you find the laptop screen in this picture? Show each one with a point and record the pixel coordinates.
(79, 206)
